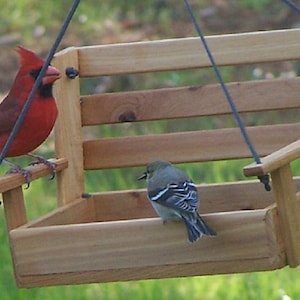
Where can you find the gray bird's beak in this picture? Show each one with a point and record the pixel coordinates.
(143, 176)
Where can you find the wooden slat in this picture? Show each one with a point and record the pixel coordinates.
(205, 145)
(153, 272)
(189, 101)
(288, 212)
(187, 53)
(11, 181)
(133, 204)
(68, 129)
(275, 160)
(129, 239)
(225, 197)
(125, 245)
(77, 211)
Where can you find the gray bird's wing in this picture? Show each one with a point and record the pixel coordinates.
(180, 196)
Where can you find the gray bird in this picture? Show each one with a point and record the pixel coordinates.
(174, 196)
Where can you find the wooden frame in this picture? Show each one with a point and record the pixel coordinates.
(112, 236)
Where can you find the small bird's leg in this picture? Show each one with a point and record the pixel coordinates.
(42, 160)
(15, 169)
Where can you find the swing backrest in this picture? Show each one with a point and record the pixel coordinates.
(78, 111)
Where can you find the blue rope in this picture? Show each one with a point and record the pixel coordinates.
(264, 179)
(38, 81)
(292, 5)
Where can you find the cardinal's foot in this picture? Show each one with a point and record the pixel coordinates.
(15, 169)
(42, 160)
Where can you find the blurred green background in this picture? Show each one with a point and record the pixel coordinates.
(34, 24)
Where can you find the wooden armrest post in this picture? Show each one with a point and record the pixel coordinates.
(14, 208)
(278, 164)
(288, 212)
(15, 213)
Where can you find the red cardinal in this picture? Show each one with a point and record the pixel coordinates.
(42, 113)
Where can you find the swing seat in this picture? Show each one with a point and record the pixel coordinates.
(116, 235)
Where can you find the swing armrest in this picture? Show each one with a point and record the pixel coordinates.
(274, 160)
(11, 181)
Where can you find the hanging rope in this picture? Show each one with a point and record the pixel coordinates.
(38, 80)
(292, 5)
(265, 178)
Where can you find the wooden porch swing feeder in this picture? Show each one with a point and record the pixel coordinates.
(116, 236)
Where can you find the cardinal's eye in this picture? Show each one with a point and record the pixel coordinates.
(35, 73)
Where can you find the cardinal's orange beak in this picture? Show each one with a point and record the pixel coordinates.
(51, 75)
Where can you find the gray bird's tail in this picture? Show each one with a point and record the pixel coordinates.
(196, 227)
